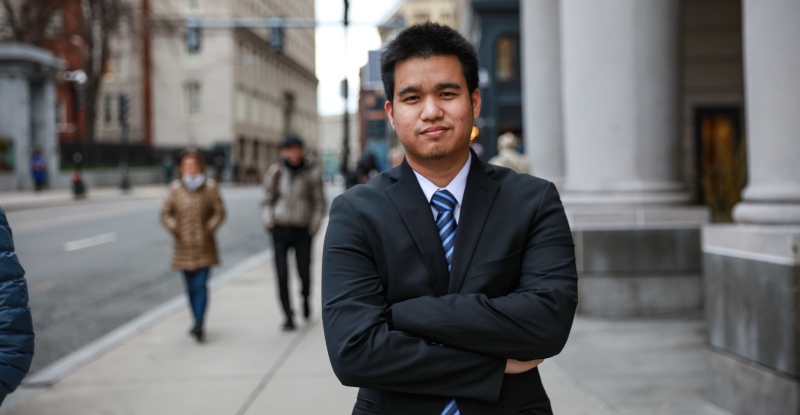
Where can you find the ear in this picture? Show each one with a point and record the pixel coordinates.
(476, 103)
(389, 111)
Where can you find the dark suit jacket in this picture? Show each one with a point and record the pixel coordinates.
(511, 293)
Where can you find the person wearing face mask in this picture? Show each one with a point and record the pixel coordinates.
(293, 208)
(192, 212)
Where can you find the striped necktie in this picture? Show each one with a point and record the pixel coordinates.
(445, 204)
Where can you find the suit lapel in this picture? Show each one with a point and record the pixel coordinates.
(417, 216)
(478, 199)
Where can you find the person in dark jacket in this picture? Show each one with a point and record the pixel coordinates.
(365, 168)
(292, 210)
(16, 325)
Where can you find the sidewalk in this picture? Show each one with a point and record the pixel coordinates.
(248, 366)
(20, 200)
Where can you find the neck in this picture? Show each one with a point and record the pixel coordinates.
(440, 172)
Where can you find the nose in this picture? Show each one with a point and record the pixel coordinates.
(431, 110)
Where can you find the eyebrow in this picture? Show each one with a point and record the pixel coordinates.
(437, 87)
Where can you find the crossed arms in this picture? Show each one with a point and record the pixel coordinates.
(483, 337)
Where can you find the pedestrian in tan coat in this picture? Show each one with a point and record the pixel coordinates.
(192, 212)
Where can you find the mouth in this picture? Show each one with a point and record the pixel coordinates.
(434, 131)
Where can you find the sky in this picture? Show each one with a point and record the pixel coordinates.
(362, 37)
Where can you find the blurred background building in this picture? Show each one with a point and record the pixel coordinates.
(156, 86)
(233, 91)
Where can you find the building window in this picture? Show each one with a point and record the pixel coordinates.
(193, 5)
(120, 67)
(505, 55)
(108, 105)
(116, 68)
(241, 106)
(55, 26)
(192, 99)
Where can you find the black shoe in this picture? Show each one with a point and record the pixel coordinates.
(288, 325)
(306, 309)
(198, 334)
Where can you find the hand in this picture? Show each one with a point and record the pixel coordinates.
(515, 367)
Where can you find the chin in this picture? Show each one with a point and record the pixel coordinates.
(437, 154)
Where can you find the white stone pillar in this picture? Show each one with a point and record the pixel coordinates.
(15, 116)
(772, 195)
(541, 81)
(43, 115)
(620, 63)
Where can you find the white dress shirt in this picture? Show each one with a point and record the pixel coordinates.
(456, 188)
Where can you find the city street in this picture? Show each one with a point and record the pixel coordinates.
(94, 265)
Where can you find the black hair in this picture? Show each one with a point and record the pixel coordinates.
(292, 141)
(424, 41)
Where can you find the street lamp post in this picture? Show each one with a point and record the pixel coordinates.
(77, 80)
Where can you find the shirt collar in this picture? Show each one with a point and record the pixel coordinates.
(456, 186)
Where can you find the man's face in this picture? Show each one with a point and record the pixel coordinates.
(293, 155)
(432, 111)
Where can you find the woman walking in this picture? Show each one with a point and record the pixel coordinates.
(193, 211)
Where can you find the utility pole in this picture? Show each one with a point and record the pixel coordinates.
(147, 90)
(343, 168)
(124, 125)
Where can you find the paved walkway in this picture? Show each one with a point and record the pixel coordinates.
(11, 201)
(248, 366)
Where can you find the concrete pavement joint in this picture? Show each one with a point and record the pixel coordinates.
(275, 368)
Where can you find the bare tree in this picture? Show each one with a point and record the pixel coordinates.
(27, 22)
(102, 20)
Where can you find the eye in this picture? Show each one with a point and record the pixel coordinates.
(447, 94)
(410, 98)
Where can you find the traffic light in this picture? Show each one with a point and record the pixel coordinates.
(124, 109)
(194, 35)
(276, 39)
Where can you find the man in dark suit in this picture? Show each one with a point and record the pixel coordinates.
(446, 281)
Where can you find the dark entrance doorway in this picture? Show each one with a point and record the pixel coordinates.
(721, 159)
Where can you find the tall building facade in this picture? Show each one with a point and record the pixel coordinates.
(232, 95)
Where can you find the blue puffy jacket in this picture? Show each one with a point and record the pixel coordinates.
(16, 326)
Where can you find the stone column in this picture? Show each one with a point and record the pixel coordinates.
(542, 119)
(637, 244)
(45, 134)
(15, 115)
(772, 195)
(752, 268)
(620, 60)
(27, 106)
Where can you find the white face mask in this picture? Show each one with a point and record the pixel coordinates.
(193, 181)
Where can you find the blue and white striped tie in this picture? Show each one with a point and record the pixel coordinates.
(445, 204)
